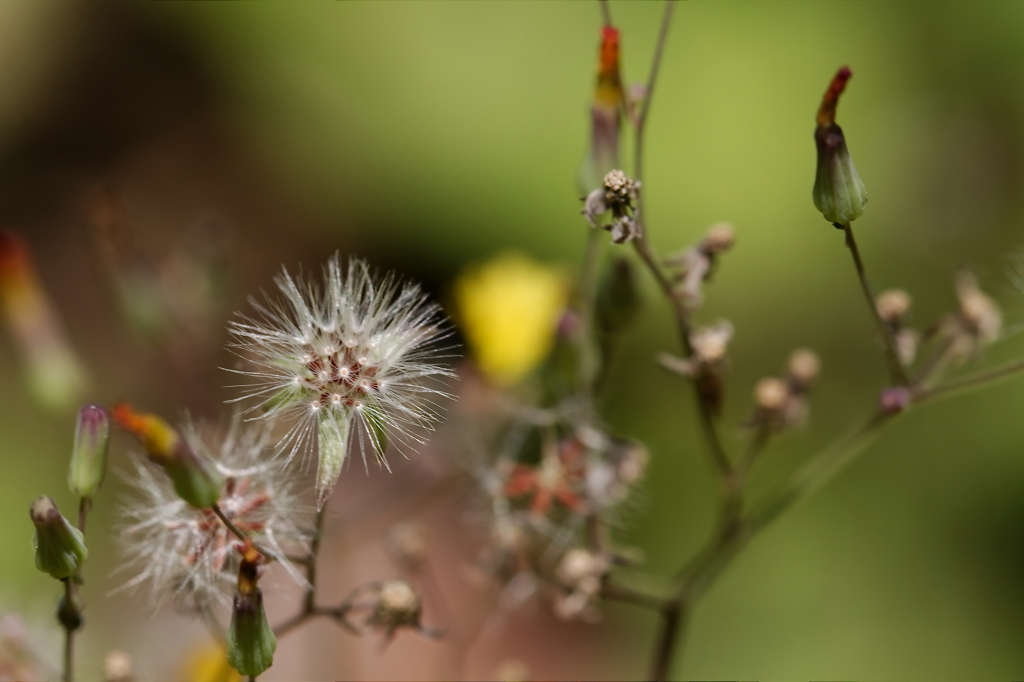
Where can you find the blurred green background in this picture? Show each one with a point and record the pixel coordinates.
(426, 135)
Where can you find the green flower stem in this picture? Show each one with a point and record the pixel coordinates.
(897, 374)
(69, 636)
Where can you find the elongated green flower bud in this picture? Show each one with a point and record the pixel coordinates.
(60, 547)
(195, 480)
(838, 192)
(333, 431)
(89, 456)
(250, 639)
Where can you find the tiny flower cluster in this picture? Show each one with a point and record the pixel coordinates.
(618, 194)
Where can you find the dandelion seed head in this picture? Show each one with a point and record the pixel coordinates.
(175, 550)
(319, 358)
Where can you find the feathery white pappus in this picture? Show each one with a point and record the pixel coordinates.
(345, 362)
(188, 553)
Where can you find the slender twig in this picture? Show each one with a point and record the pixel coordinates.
(627, 595)
(587, 369)
(897, 374)
(84, 505)
(971, 382)
(238, 533)
(69, 633)
(606, 15)
(314, 553)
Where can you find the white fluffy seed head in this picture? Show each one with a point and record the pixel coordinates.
(365, 347)
(174, 550)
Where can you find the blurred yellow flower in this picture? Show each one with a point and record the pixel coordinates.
(209, 663)
(508, 310)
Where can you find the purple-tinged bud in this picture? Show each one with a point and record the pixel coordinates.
(895, 400)
(60, 547)
(838, 191)
(89, 456)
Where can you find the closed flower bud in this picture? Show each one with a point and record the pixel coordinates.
(195, 480)
(838, 191)
(893, 305)
(89, 456)
(60, 547)
(618, 299)
(397, 606)
(718, 239)
(250, 639)
(771, 394)
(804, 367)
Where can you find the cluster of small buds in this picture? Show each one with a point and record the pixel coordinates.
(894, 306)
(781, 403)
(581, 574)
(693, 267)
(618, 194)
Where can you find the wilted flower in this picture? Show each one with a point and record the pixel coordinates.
(188, 553)
(344, 362)
(695, 265)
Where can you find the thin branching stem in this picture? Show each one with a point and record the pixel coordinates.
(69, 634)
(606, 15)
(897, 374)
(971, 382)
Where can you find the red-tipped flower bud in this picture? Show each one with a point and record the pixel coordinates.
(250, 639)
(838, 191)
(195, 480)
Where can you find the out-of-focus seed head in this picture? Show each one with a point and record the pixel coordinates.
(60, 547)
(89, 455)
(177, 550)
